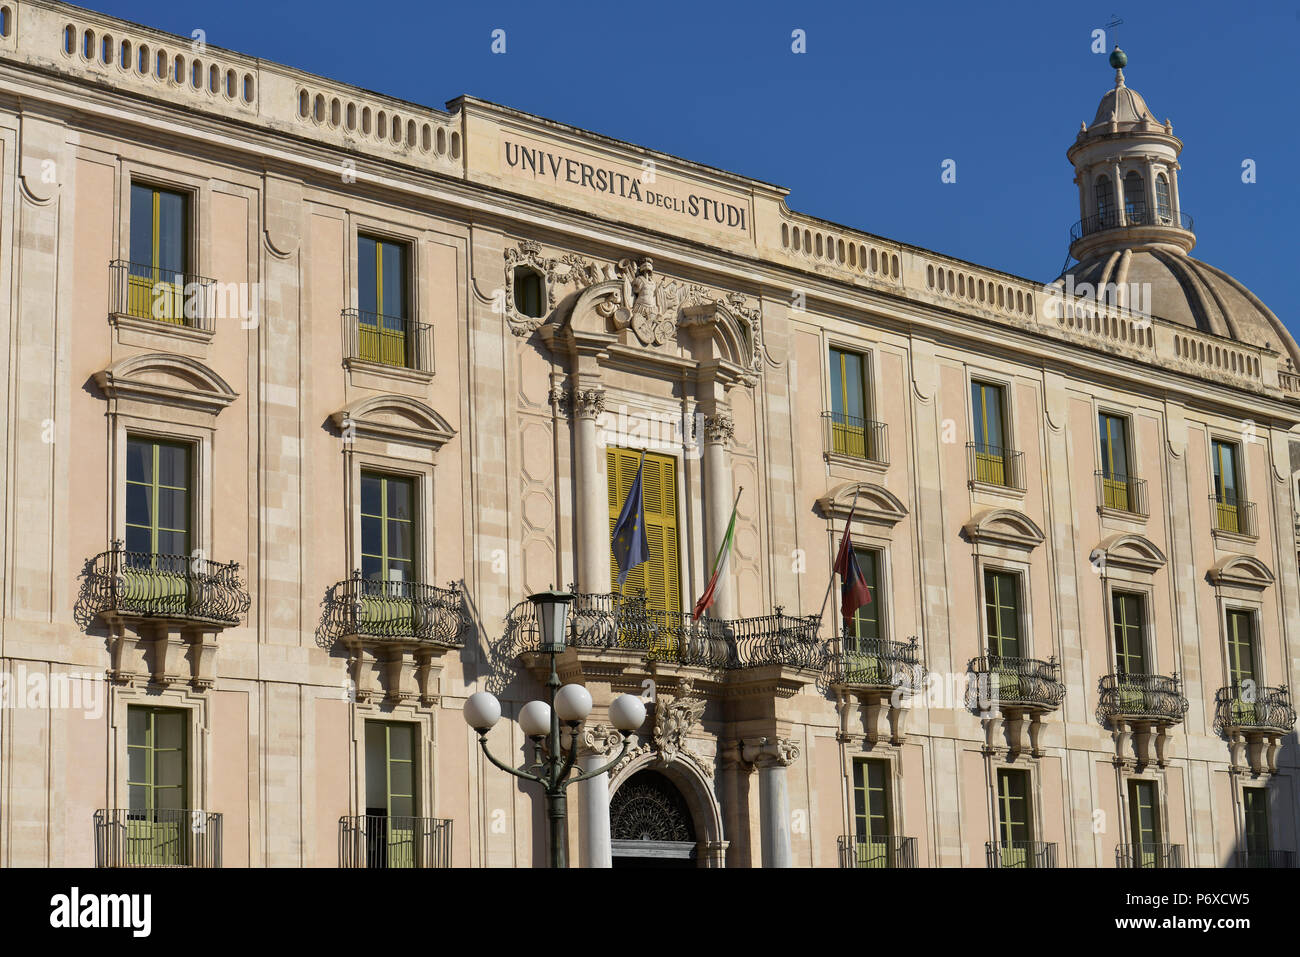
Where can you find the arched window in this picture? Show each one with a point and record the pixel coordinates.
(1135, 197)
(1105, 206)
(528, 292)
(1163, 208)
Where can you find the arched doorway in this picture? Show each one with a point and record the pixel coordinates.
(650, 824)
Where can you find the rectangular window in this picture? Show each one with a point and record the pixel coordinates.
(866, 620)
(157, 497)
(850, 426)
(1241, 646)
(383, 292)
(157, 819)
(1255, 806)
(1129, 611)
(987, 413)
(160, 255)
(1014, 828)
(1227, 487)
(387, 527)
(660, 577)
(391, 801)
(1115, 482)
(872, 824)
(1144, 821)
(1002, 613)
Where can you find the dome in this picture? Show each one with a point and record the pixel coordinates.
(1126, 106)
(1189, 292)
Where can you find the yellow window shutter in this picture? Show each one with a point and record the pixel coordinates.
(660, 577)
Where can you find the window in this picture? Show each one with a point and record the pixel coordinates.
(1014, 830)
(1105, 206)
(1115, 480)
(159, 257)
(1144, 824)
(1129, 611)
(1002, 613)
(1255, 806)
(850, 430)
(1227, 492)
(528, 292)
(391, 802)
(157, 820)
(383, 290)
(660, 577)
(1241, 646)
(1135, 197)
(387, 527)
(866, 620)
(990, 435)
(157, 497)
(871, 813)
(1163, 208)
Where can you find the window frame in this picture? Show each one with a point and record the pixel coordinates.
(1023, 638)
(416, 521)
(1252, 614)
(887, 794)
(680, 520)
(198, 438)
(880, 550)
(156, 442)
(1114, 591)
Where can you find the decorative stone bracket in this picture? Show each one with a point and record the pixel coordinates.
(1254, 750)
(395, 672)
(163, 653)
(1020, 729)
(1149, 741)
(881, 719)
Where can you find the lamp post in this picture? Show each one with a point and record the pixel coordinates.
(541, 721)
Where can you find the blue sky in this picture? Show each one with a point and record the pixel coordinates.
(858, 126)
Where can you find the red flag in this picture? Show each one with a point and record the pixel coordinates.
(853, 584)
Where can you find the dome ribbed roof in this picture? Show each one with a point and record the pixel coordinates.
(1128, 108)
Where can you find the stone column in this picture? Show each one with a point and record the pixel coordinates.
(719, 492)
(771, 756)
(592, 497)
(1120, 218)
(594, 748)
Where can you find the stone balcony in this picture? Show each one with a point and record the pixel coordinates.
(1254, 720)
(1013, 694)
(874, 678)
(1140, 709)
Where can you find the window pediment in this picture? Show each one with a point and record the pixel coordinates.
(1242, 571)
(1134, 552)
(167, 380)
(395, 418)
(1005, 527)
(876, 504)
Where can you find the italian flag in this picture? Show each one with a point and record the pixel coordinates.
(719, 566)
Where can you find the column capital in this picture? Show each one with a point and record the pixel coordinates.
(598, 740)
(719, 428)
(588, 403)
(769, 752)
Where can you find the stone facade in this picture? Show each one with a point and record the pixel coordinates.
(679, 307)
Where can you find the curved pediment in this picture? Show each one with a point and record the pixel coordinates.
(168, 380)
(395, 418)
(1242, 571)
(1129, 551)
(875, 504)
(1005, 527)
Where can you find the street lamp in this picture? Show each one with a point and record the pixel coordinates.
(540, 721)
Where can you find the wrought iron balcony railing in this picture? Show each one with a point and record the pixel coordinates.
(873, 663)
(389, 340)
(613, 621)
(157, 838)
(1018, 682)
(856, 438)
(1122, 493)
(377, 840)
(1284, 859)
(149, 585)
(1231, 514)
(1133, 217)
(1246, 706)
(1149, 855)
(1020, 854)
(1144, 697)
(877, 851)
(368, 608)
(992, 465)
(148, 292)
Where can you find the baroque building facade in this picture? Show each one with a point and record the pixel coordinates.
(308, 388)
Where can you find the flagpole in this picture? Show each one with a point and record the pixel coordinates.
(847, 525)
(734, 505)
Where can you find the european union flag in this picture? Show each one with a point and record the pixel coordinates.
(629, 542)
